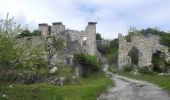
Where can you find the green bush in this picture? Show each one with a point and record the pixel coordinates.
(89, 63)
(145, 70)
(128, 68)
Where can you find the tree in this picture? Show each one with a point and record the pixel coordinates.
(98, 36)
(54, 46)
(36, 33)
(9, 27)
(8, 50)
(26, 33)
(8, 54)
(15, 56)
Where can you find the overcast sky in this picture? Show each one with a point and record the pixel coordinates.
(113, 16)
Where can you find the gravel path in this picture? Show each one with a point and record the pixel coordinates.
(130, 89)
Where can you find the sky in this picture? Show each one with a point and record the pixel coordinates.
(112, 16)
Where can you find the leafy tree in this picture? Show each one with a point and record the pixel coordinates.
(54, 46)
(8, 50)
(9, 27)
(15, 56)
(8, 54)
(36, 33)
(26, 33)
(98, 36)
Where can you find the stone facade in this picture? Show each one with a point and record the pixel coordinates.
(86, 38)
(75, 41)
(147, 46)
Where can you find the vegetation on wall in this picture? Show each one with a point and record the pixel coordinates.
(28, 33)
(18, 60)
(88, 63)
(111, 50)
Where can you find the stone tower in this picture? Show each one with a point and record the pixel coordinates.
(57, 28)
(91, 38)
(44, 28)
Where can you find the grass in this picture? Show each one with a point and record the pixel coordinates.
(87, 89)
(112, 68)
(162, 81)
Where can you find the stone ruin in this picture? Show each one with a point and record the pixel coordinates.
(75, 41)
(146, 45)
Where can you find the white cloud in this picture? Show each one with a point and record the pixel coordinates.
(113, 16)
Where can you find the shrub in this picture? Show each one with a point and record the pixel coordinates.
(145, 70)
(128, 68)
(88, 63)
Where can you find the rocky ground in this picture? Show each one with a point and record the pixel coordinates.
(130, 89)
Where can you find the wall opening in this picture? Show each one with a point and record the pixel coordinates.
(158, 61)
(134, 55)
(84, 41)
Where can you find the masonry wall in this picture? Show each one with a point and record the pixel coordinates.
(147, 45)
(73, 40)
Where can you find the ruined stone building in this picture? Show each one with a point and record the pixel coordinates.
(146, 45)
(86, 38)
(75, 41)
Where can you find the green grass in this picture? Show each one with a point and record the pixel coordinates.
(87, 89)
(162, 81)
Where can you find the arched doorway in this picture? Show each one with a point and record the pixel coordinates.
(158, 61)
(134, 55)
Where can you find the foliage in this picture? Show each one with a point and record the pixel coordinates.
(89, 63)
(145, 70)
(158, 61)
(8, 51)
(167, 65)
(102, 48)
(36, 33)
(112, 53)
(86, 89)
(134, 53)
(112, 57)
(9, 27)
(165, 40)
(28, 33)
(54, 46)
(17, 58)
(98, 36)
(132, 31)
(128, 68)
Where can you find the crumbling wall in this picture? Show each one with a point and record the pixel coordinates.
(147, 45)
(74, 40)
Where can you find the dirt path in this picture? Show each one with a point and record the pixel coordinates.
(130, 89)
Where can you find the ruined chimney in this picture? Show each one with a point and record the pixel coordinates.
(91, 27)
(44, 28)
(57, 28)
(119, 35)
(91, 38)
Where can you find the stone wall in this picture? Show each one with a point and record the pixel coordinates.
(147, 45)
(86, 38)
(76, 41)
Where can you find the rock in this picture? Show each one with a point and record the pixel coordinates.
(10, 86)
(61, 80)
(4, 95)
(53, 70)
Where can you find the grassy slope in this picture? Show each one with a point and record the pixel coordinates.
(162, 81)
(87, 89)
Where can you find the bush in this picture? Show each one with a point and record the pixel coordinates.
(145, 70)
(128, 68)
(88, 63)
